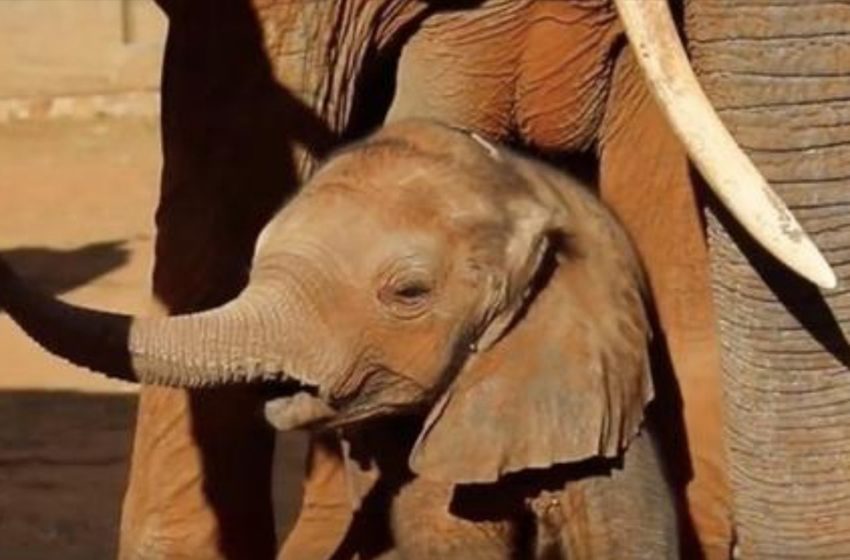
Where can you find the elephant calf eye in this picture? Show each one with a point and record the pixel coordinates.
(407, 298)
(413, 290)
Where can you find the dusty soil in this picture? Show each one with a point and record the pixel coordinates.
(78, 200)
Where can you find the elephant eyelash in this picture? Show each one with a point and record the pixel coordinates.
(407, 298)
(412, 290)
(407, 293)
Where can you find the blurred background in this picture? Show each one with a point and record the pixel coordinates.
(79, 172)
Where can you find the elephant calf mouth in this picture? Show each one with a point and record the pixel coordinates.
(292, 404)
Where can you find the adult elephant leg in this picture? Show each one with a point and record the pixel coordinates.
(327, 509)
(199, 482)
(201, 468)
(779, 75)
(645, 177)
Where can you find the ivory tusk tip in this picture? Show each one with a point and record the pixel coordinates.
(816, 270)
(825, 278)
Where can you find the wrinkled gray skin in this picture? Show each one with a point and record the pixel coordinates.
(779, 75)
(424, 269)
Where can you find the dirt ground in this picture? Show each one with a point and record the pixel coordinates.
(78, 200)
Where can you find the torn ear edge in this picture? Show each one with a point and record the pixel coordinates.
(564, 379)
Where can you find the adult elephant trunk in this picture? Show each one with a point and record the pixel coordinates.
(779, 75)
(252, 337)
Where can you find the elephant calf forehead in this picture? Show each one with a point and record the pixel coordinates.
(446, 199)
(386, 149)
(421, 169)
(417, 143)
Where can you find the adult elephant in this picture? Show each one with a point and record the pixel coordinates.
(254, 91)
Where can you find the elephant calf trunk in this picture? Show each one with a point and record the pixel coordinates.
(240, 341)
(96, 340)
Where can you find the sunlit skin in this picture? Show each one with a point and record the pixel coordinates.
(247, 115)
(486, 301)
(256, 92)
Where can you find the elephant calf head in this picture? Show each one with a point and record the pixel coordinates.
(421, 268)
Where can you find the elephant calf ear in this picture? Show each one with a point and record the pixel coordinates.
(569, 381)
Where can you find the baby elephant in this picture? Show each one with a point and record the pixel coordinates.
(426, 278)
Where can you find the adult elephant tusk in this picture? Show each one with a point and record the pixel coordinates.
(725, 167)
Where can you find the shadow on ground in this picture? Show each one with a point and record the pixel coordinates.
(63, 467)
(58, 271)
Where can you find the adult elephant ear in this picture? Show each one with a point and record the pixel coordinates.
(568, 379)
